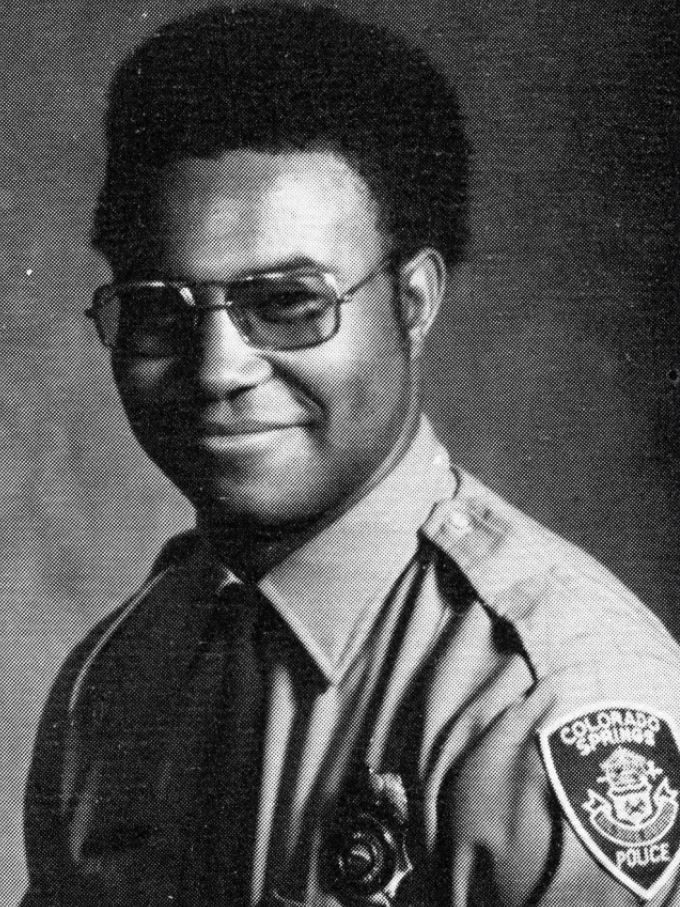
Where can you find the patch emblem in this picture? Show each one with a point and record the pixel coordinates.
(615, 768)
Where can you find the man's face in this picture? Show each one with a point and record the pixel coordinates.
(270, 437)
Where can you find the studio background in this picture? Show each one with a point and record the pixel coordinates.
(554, 374)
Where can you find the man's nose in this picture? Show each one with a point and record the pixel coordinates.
(223, 362)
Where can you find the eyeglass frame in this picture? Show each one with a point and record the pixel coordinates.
(185, 291)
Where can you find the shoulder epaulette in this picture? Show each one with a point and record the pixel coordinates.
(547, 588)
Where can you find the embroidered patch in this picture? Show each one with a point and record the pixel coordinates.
(615, 768)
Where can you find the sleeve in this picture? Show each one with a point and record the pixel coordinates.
(531, 816)
(46, 798)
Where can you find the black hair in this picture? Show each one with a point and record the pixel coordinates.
(280, 77)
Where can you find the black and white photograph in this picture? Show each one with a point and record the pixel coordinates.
(339, 454)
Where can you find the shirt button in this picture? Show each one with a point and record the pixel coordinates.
(459, 521)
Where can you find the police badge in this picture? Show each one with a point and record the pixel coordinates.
(615, 768)
(364, 858)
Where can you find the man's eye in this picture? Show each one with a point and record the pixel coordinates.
(150, 324)
(152, 318)
(157, 316)
(299, 305)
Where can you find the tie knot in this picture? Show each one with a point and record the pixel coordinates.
(237, 610)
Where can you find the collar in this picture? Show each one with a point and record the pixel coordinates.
(331, 589)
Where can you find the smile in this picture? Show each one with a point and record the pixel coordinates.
(244, 428)
(244, 437)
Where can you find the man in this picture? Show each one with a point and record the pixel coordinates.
(364, 679)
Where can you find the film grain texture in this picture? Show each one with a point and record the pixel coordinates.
(554, 374)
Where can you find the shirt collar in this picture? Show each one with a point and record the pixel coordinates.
(331, 589)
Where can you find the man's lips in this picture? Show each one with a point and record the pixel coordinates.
(241, 438)
(234, 428)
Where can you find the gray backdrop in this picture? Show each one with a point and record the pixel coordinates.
(554, 375)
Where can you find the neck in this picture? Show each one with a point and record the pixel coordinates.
(250, 550)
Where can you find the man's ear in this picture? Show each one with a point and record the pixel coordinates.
(422, 282)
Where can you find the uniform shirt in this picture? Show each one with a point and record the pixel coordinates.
(458, 708)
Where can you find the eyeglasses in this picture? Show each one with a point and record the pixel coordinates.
(278, 310)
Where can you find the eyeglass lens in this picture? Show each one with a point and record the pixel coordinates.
(281, 313)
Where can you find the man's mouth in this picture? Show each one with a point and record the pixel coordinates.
(234, 428)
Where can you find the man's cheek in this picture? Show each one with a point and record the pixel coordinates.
(363, 417)
(145, 388)
(379, 387)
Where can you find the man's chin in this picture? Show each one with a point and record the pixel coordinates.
(254, 508)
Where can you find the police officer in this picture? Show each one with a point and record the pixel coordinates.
(364, 679)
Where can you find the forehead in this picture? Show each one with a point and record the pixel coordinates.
(247, 210)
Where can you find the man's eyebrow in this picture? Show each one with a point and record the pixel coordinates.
(295, 263)
(281, 266)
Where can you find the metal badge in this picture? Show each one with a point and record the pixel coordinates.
(364, 859)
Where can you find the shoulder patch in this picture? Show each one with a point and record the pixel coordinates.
(615, 769)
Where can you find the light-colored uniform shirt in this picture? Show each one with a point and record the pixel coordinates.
(506, 702)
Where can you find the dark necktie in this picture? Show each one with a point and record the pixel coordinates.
(228, 785)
